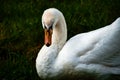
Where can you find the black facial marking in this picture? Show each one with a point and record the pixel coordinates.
(45, 27)
(51, 27)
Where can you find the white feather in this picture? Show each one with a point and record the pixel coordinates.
(95, 51)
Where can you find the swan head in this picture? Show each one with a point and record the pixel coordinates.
(50, 18)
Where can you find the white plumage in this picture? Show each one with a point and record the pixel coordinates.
(96, 51)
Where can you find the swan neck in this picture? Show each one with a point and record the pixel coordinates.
(45, 62)
(59, 36)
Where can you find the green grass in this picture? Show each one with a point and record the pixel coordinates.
(21, 33)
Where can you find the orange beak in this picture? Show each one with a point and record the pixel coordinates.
(48, 37)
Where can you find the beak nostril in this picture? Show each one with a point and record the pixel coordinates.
(47, 44)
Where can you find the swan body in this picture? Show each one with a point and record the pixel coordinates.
(96, 51)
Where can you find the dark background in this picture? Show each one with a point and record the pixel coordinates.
(21, 33)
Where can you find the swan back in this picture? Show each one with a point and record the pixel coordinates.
(96, 50)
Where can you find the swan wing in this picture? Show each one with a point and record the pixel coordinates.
(101, 46)
(106, 47)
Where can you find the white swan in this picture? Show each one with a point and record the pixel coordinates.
(96, 51)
